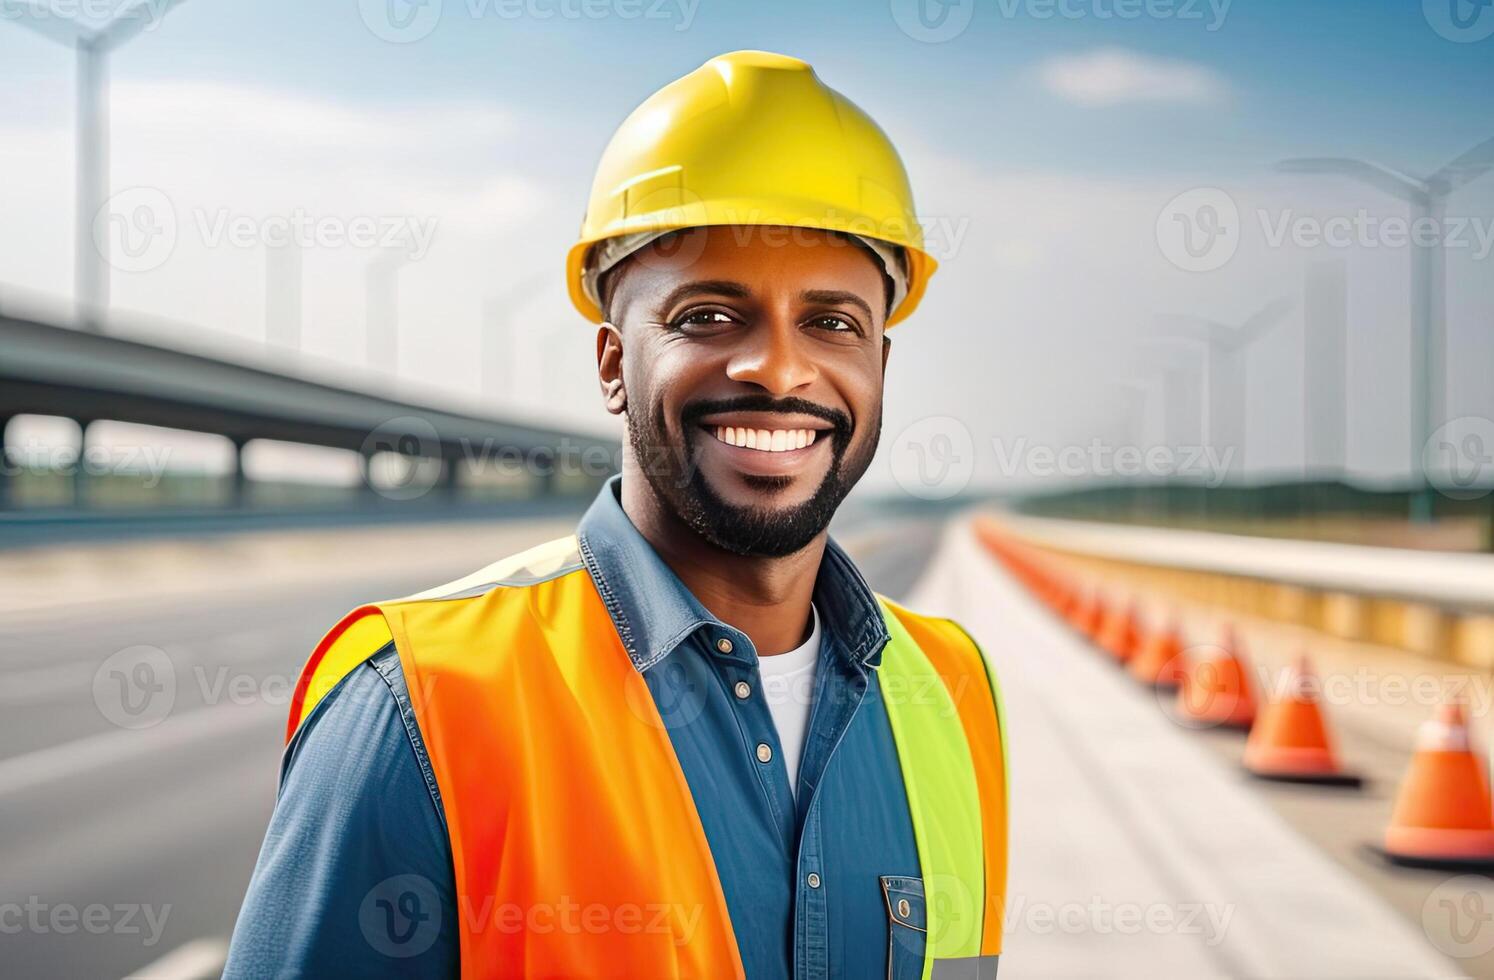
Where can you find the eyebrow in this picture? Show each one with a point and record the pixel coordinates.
(737, 290)
(712, 287)
(836, 297)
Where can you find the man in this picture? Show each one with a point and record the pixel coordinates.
(687, 741)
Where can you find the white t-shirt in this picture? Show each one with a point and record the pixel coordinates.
(788, 687)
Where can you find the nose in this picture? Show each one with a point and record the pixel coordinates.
(773, 356)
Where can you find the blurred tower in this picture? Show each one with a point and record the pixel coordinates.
(1426, 200)
(381, 310)
(1325, 359)
(500, 341)
(283, 296)
(93, 45)
(1227, 379)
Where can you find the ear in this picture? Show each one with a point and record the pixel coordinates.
(609, 368)
(886, 349)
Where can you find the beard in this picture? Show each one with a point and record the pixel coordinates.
(765, 531)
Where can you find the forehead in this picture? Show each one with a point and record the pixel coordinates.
(769, 260)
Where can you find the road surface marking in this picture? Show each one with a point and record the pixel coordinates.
(200, 959)
(59, 762)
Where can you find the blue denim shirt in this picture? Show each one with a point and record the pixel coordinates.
(355, 876)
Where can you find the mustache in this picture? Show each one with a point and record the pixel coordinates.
(840, 422)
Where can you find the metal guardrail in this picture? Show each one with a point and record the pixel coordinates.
(1449, 580)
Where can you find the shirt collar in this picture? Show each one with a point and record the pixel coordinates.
(654, 611)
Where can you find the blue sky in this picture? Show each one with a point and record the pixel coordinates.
(1048, 142)
(1368, 79)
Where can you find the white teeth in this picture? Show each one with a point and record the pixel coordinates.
(766, 440)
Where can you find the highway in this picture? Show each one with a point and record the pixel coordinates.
(129, 827)
(127, 847)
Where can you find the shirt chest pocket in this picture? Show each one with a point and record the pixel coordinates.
(907, 926)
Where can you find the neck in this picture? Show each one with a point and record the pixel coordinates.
(766, 598)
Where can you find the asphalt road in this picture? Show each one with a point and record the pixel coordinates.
(129, 826)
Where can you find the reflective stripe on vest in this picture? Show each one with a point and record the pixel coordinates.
(565, 803)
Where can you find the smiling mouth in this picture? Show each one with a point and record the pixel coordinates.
(763, 440)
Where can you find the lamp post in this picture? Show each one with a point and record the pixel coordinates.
(1427, 200)
(93, 44)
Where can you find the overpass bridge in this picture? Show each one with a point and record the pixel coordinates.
(87, 377)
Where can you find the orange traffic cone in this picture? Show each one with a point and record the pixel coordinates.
(1289, 740)
(1216, 692)
(1442, 814)
(1118, 633)
(1159, 660)
(1091, 614)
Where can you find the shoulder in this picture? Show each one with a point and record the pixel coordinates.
(362, 709)
(364, 631)
(533, 566)
(942, 634)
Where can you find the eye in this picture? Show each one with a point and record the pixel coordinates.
(701, 318)
(835, 323)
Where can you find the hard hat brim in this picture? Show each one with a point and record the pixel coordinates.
(921, 265)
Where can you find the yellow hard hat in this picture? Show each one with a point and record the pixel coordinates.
(751, 138)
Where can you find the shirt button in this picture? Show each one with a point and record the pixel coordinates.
(813, 880)
(764, 752)
(724, 645)
(743, 690)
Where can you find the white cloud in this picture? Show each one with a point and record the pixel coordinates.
(1114, 76)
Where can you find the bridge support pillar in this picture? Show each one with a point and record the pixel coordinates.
(80, 470)
(545, 465)
(8, 469)
(451, 483)
(238, 488)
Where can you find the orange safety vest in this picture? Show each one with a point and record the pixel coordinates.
(576, 845)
